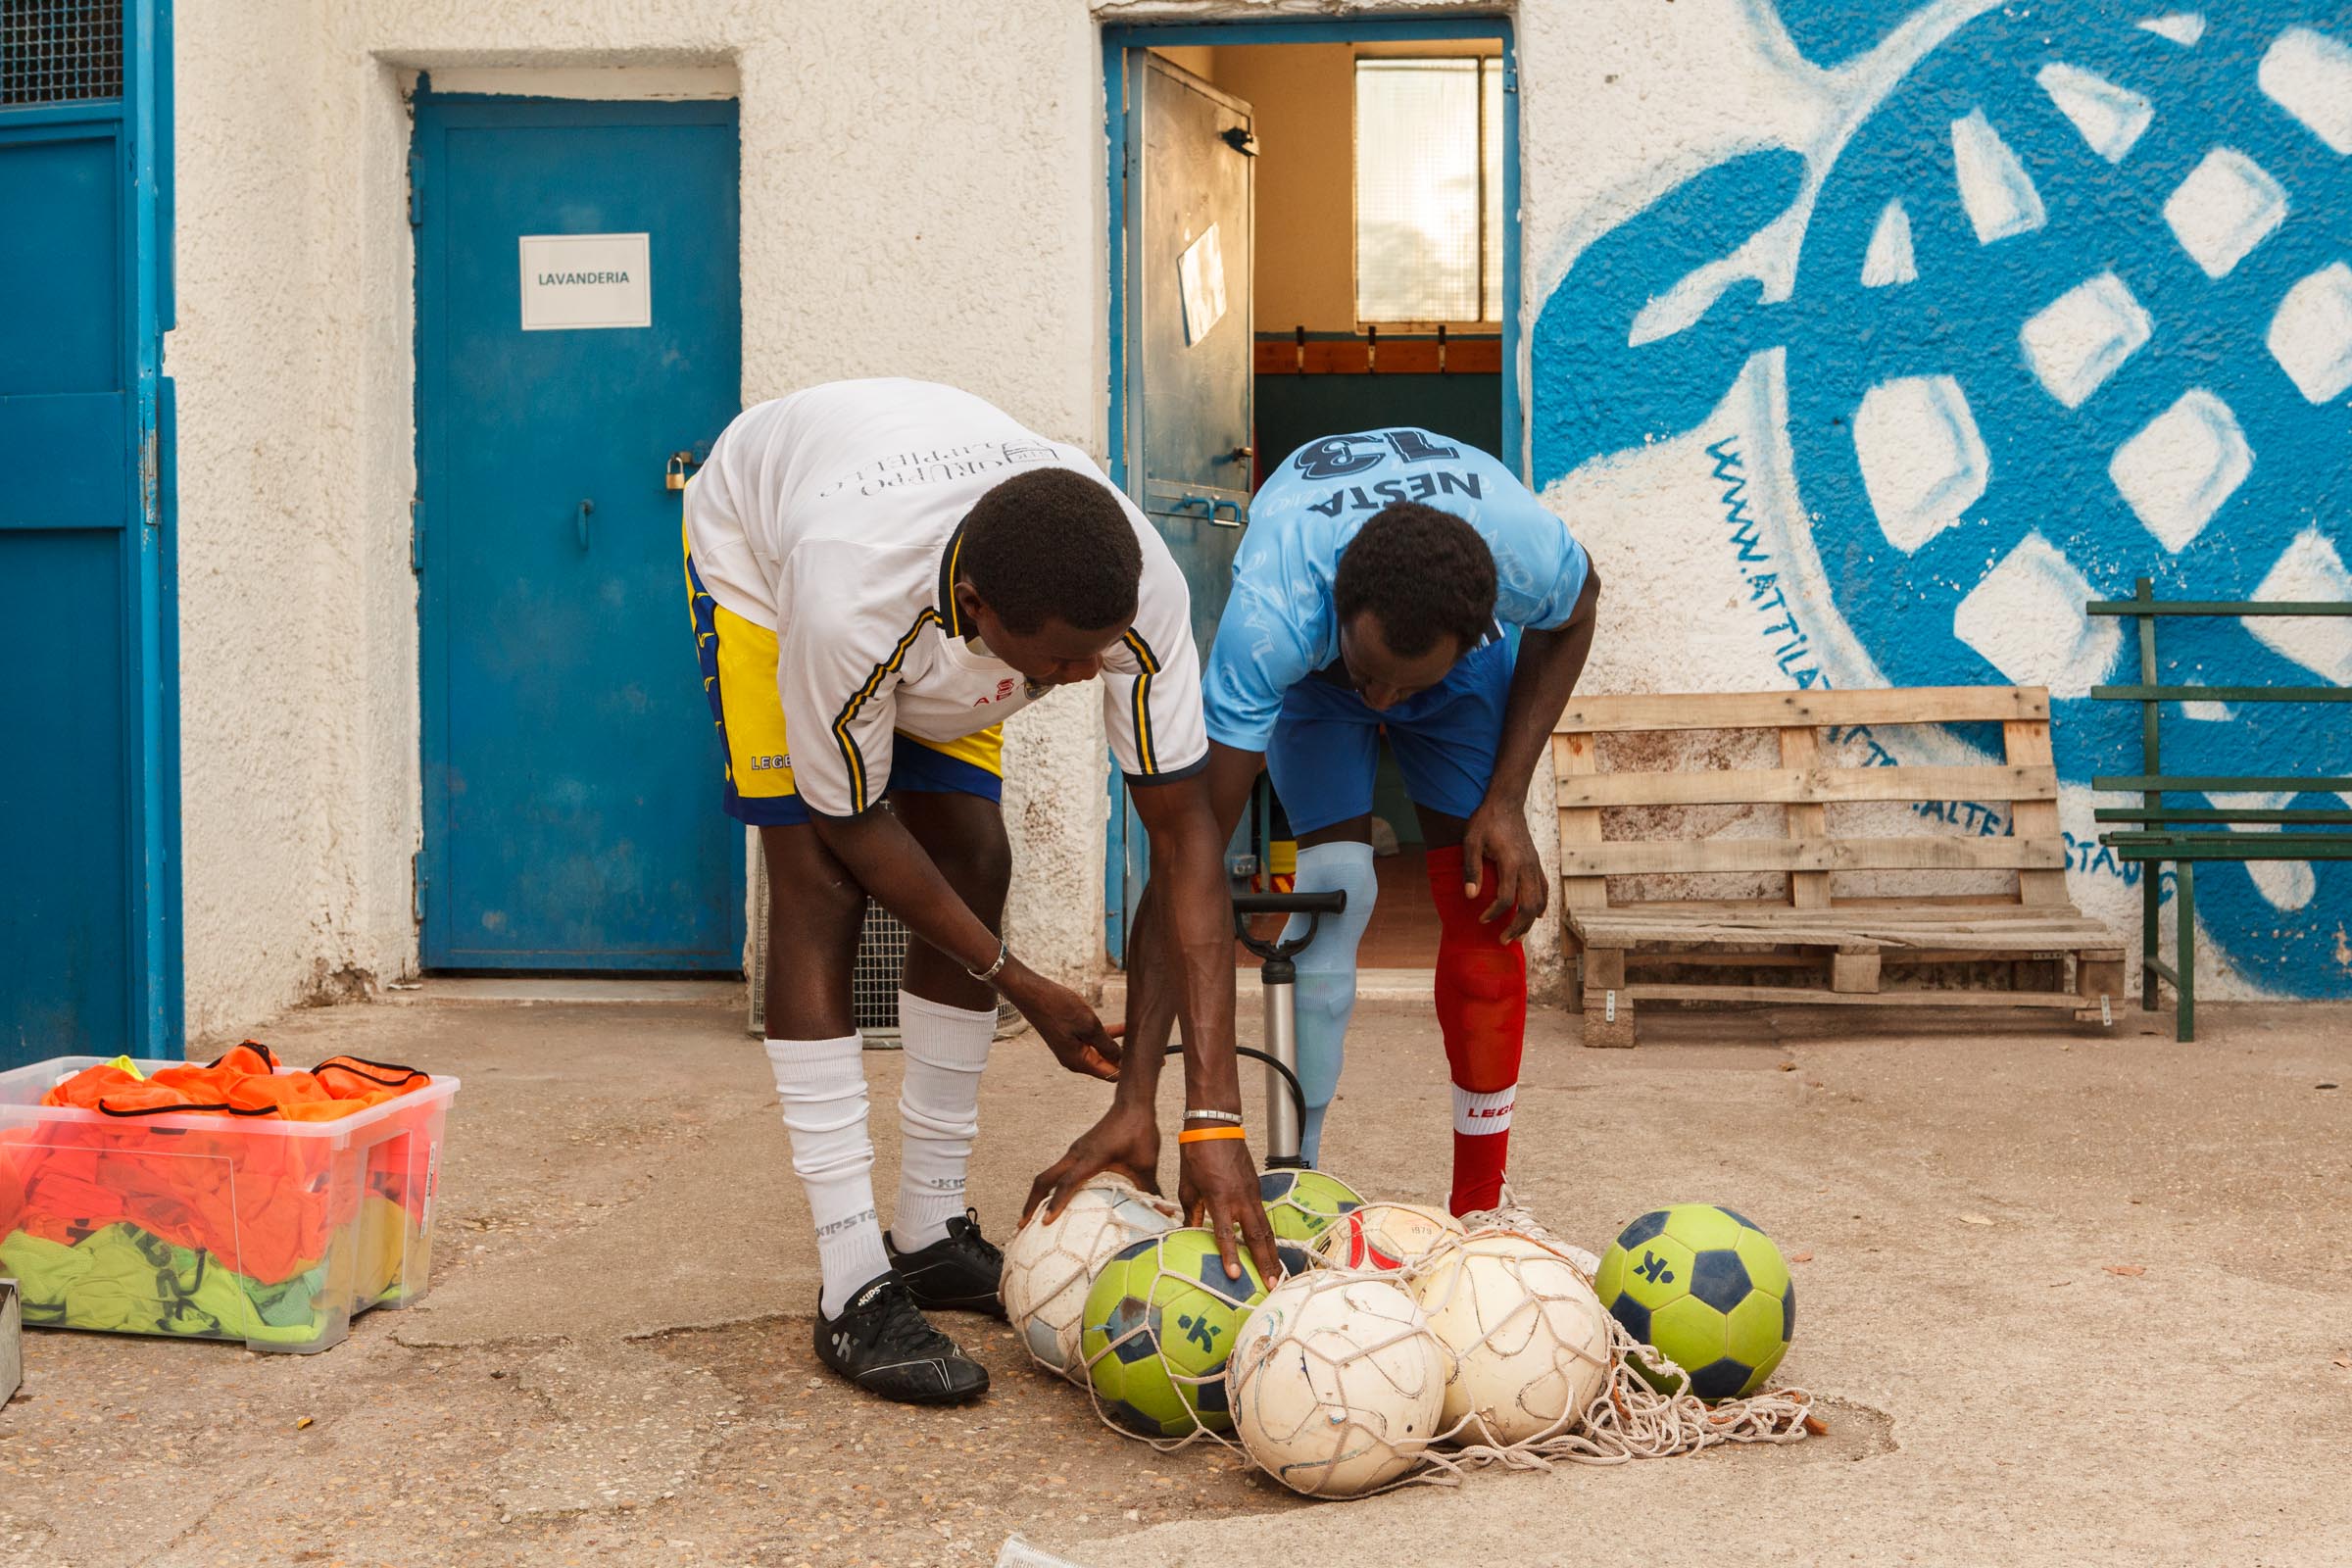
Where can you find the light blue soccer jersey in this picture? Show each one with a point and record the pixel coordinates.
(1279, 626)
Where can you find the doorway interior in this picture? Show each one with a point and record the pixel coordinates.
(1373, 283)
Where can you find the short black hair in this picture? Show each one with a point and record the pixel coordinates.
(1423, 574)
(1052, 544)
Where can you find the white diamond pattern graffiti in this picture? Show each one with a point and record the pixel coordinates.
(2180, 469)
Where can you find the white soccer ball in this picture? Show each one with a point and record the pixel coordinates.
(1048, 1267)
(1528, 1340)
(1387, 1236)
(1337, 1384)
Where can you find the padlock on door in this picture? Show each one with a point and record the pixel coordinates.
(674, 479)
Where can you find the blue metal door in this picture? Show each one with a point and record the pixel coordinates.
(88, 797)
(578, 323)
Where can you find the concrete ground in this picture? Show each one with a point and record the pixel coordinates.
(2065, 1299)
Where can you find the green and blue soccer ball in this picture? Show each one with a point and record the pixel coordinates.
(1300, 1204)
(1160, 1320)
(1707, 1288)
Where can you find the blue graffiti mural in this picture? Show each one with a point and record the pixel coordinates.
(2063, 299)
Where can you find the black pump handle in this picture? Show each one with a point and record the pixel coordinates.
(1330, 903)
(1314, 905)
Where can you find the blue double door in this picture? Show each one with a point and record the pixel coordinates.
(579, 343)
(90, 878)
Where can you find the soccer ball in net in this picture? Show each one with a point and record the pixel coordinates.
(1528, 1339)
(1704, 1286)
(1300, 1204)
(1160, 1319)
(1049, 1266)
(1384, 1236)
(1338, 1386)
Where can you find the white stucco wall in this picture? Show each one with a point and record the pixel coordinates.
(260, 727)
(940, 219)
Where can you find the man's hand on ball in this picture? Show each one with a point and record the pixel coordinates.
(1218, 1187)
(1126, 1141)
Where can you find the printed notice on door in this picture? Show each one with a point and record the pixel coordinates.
(1201, 280)
(575, 281)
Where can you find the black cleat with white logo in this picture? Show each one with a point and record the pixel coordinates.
(957, 1273)
(882, 1344)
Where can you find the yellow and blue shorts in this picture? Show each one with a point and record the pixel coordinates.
(739, 675)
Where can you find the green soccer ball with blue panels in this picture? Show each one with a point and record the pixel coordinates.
(1706, 1287)
(1160, 1320)
(1300, 1204)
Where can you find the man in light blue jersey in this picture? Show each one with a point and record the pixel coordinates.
(1371, 594)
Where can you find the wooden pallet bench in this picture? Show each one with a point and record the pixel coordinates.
(2217, 829)
(1835, 945)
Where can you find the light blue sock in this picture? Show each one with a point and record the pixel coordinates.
(1326, 992)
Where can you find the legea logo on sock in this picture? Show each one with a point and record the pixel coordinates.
(1477, 1113)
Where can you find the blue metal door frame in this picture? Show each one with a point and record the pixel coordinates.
(1117, 43)
(84, 464)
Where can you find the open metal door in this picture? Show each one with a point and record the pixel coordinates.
(1188, 253)
(1189, 152)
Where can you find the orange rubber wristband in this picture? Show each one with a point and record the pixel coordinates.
(1203, 1135)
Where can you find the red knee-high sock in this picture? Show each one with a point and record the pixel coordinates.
(1482, 1010)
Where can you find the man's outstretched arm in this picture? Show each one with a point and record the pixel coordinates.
(1181, 966)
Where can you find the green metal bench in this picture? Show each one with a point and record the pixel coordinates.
(2185, 836)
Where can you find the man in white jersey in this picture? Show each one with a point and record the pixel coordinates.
(881, 573)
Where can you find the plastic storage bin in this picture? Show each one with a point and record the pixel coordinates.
(210, 1226)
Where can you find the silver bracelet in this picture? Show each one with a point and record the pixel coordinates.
(988, 975)
(1232, 1116)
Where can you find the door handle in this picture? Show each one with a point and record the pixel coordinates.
(1216, 513)
(580, 521)
(1207, 504)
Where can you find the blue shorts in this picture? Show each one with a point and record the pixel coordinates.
(1326, 743)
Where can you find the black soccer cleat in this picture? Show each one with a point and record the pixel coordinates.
(957, 1273)
(882, 1344)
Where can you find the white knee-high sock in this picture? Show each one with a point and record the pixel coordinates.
(822, 1084)
(1326, 992)
(939, 1113)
